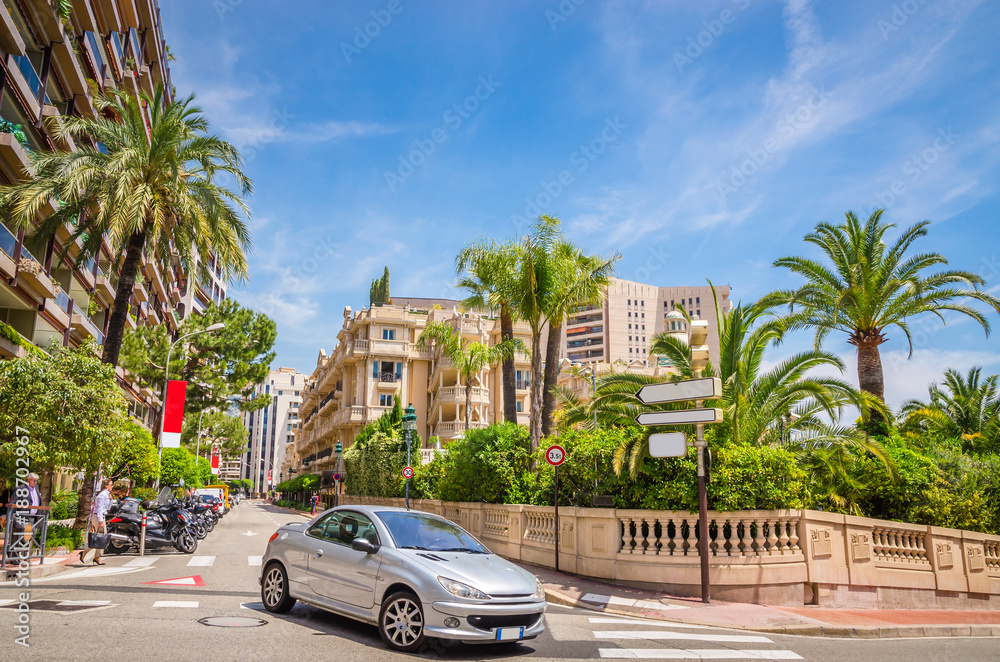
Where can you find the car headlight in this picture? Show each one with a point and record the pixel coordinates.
(460, 590)
(539, 589)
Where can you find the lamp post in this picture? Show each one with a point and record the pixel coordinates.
(166, 380)
(409, 426)
(338, 451)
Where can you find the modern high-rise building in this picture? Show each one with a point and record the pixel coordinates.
(48, 57)
(272, 427)
(620, 329)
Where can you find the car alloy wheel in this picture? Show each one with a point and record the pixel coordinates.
(401, 622)
(274, 590)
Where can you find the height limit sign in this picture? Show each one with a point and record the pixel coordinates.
(556, 455)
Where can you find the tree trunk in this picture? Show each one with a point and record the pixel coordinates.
(126, 285)
(870, 371)
(509, 386)
(551, 376)
(86, 495)
(468, 402)
(535, 420)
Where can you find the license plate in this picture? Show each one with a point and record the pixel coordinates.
(509, 634)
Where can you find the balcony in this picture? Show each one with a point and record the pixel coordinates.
(56, 312)
(387, 380)
(14, 157)
(103, 289)
(140, 292)
(357, 415)
(456, 395)
(452, 429)
(32, 279)
(394, 348)
(360, 348)
(84, 325)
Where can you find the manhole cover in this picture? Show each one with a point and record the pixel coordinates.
(232, 622)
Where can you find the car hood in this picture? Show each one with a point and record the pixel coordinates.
(489, 573)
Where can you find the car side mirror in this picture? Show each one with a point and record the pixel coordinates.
(363, 545)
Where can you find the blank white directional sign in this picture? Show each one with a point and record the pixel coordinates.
(689, 389)
(667, 444)
(680, 417)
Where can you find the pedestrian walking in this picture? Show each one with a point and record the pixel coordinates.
(98, 511)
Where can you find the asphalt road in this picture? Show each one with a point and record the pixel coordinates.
(112, 613)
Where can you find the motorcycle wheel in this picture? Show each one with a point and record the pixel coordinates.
(186, 542)
(119, 546)
(200, 532)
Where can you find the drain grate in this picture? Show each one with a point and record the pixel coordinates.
(232, 622)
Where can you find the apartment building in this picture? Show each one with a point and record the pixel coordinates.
(377, 360)
(620, 329)
(46, 61)
(272, 427)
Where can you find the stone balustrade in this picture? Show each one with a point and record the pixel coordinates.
(780, 557)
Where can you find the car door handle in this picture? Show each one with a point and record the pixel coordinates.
(319, 553)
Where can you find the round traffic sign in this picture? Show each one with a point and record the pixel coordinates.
(555, 455)
(408, 472)
(336, 477)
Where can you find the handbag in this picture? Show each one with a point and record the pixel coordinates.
(98, 541)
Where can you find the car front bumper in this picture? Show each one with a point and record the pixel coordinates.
(439, 611)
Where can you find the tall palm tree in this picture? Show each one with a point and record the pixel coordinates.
(965, 407)
(150, 188)
(868, 287)
(582, 279)
(468, 358)
(486, 270)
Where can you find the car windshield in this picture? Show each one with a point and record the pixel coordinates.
(419, 531)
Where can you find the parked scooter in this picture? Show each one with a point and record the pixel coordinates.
(167, 525)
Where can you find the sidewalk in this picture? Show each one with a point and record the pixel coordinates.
(52, 565)
(570, 590)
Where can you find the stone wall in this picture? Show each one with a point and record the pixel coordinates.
(776, 557)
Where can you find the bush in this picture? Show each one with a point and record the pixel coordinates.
(144, 493)
(374, 466)
(64, 505)
(488, 465)
(63, 536)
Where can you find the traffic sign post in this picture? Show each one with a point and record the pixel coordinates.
(556, 455)
(674, 444)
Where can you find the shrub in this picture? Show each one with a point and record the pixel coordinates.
(63, 536)
(374, 466)
(488, 465)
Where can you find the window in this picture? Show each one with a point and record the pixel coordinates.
(267, 388)
(644, 316)
(374, 369)
(643, 327)
(630, 314)
(698, 300)
(644, 339)
(385, 400)
(297, 392)
(629, 350)
(342, 527)
(388, 334)
(698, 313)
(630, 302)
(630, 338)
(629, 327)
(281, 392)
(642, 303)
(519, 406)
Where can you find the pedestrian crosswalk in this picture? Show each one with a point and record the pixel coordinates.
(201, 561)
(696, 642)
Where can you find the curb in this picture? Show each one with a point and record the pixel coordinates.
(839, 631)
(36, 571)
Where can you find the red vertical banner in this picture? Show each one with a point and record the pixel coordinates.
(215, 460)
(173, 414)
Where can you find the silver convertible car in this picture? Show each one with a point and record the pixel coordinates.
(413, 575)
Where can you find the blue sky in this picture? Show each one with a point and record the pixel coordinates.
(700, 140)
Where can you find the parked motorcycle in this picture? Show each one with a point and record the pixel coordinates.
(167, 525)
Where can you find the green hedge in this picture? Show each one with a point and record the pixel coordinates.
(374, 465)
(63, 536)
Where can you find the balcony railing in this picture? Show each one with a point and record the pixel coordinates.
(30, 75)
(387, 377)
(62, 301)
(8, 242)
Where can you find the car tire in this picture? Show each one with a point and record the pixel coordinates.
(401, 622)
(274, 590)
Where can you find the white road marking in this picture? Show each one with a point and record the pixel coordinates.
(176, 603)
(255, 560)
(690, 636)
(141, 562)
(7, 602)
(704, 654)
(89, 572)
(248, 534)
(84, 603)
(201, 561)
(629, 602)
(625, 621)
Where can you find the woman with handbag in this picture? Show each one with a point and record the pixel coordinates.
(98, 510)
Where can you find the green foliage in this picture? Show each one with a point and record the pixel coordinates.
(302, 483)
(137, 459)
(489, 465)
(379, 291)
(217, 429)
(63, 504)
(374, 466)
(217, 365)
(8, 332)
(63, 536)
(177, 463)
(144, 493)
(15, 130)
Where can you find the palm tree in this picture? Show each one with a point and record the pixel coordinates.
(780, 406)
(966, 407)
(487, 269)
(869, 287)
(149, 188)
(468, 358)
(582, 279)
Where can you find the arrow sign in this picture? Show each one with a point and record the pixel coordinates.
(689, 389)
(681, 417)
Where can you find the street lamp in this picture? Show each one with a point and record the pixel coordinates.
(338, 450)
(166, 380)
(409, 426)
